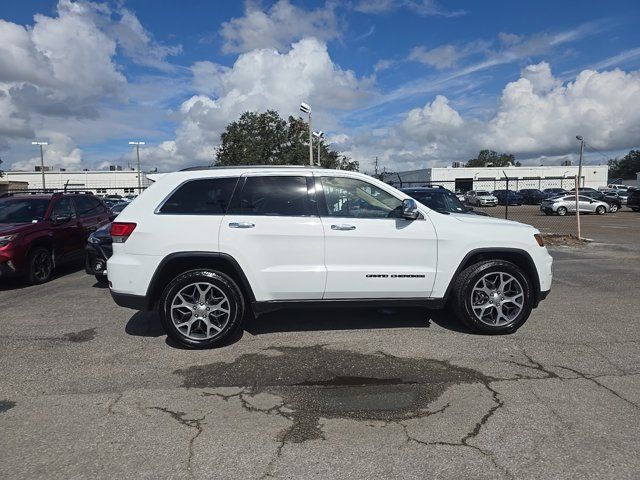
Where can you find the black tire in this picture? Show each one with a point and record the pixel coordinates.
(601, 210)
(40, 266)
(223, 284)
(613, 208)
(461, 296)
(635, 209)
(102, 279)
(562, 211)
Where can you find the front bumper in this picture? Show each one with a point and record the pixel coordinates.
(96, 258)
(7, 270)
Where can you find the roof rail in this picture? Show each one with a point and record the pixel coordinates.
(222, 167)
(46, 191)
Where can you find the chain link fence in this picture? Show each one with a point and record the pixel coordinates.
(524, 208)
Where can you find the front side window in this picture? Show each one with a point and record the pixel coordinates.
(63, 208)
(206, 196)
(440, 201)
(353, 198)
(274, 196)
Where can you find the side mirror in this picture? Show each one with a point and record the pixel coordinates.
(60, 219)
(410, 209)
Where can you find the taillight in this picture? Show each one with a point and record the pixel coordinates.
(539, 239)
(120, 231)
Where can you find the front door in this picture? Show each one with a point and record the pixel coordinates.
(370, 250)
(273, 231)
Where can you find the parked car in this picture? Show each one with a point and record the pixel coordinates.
(567, 204)
(40, 232)
(98, 249)
(439, 199)
(533, 196)
(615, 203)
(622, 195)
(555, 192)
(481, 198)
(267, 238)
(508, 196)
(633, 200)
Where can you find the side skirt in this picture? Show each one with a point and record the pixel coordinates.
(273, 305)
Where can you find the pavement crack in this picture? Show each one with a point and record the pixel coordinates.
(189, 423)
(112, 404)
(594, 380)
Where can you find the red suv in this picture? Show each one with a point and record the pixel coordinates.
(41, 231)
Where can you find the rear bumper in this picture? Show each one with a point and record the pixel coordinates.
(126, 300)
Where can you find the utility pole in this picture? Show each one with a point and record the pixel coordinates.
(137, 144)
(376, 168)
(41, 144)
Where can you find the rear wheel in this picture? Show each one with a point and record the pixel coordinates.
(601, 210)
(40, 265)
(613, 208)
(201, 308)
(562, 211)
(493, 296)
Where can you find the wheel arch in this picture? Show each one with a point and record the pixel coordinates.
(180, 262)
(518, 257)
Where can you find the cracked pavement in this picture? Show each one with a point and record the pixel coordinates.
(91, 390)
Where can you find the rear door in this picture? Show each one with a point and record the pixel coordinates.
(273, 231)
(92, 214)
(370, 250)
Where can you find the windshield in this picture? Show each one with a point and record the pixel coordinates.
(440, 201)
(23, 210)
(482, 193)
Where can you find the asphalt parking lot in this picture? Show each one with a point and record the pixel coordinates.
(91, 390)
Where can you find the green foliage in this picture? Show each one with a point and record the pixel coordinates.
(496, 159)
(267, 139)
(625, 167)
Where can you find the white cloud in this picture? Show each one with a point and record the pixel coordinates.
(421, 7)
(277, 27)
(260, 80)
(537, 115)
(444, 56)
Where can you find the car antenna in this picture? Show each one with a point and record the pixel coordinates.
(65, 186)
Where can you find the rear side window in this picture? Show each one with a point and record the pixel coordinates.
(88, 206)
(206, 196)
(275, 196)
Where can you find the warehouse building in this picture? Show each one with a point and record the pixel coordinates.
(457, 178)
(100, 182)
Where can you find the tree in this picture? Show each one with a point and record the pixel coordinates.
(267, 139)
(626, 167)
(1, 172)
(496, 159)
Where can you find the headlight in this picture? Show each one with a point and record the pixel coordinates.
(6, 239)
(93, 239)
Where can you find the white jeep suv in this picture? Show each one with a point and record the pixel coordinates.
(210, 246)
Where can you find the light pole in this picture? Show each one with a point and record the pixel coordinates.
(579, 137)
(41, 144)
(319, 136)
(305, 108)
(137, 144)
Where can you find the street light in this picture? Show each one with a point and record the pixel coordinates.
(579, 137)
(137, 144)
(305, 108)
(41, 144)
(319, 135)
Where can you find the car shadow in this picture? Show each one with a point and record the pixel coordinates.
(147, 324)
(20, 282)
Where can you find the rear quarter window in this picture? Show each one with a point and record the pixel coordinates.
(206, 196)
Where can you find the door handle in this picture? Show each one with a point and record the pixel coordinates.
(241, 225)
(343, 226)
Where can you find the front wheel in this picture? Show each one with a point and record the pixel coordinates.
(613, 208)
(601, 210)
(201, 308)
(493, 296)
(562, 211)
(40, 265)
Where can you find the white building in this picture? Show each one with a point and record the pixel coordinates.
(493, 178)
(100, 182)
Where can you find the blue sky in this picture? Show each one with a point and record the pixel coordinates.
(415, 82)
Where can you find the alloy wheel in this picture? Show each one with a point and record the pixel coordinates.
(42, 266)
(200, 311)
(497, 299)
